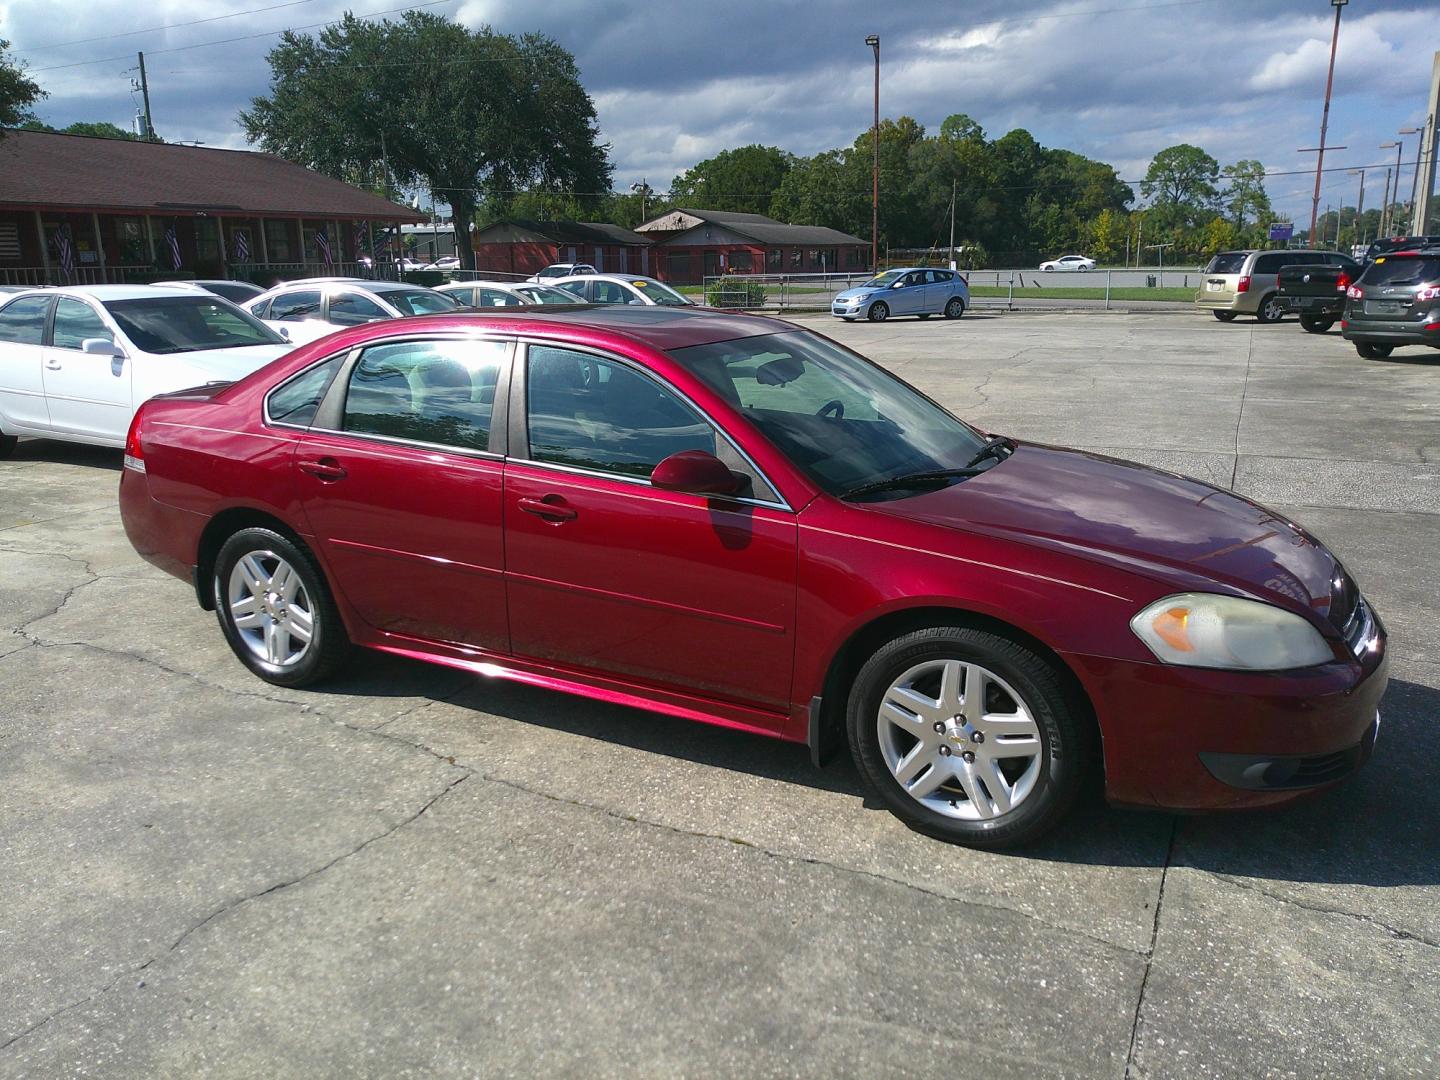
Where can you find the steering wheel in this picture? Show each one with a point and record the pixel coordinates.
(834, 407)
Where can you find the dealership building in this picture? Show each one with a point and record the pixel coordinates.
(76, 209)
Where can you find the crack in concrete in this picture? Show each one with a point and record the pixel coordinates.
(1320, 909)
(234, 904)
(1240, 412)
(1130, 1067)
(58, 517)
(807, 860)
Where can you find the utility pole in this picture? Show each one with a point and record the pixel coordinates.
(1415, 180)
(145, 94)
(952, 224)
(1393, 197)
(1421, 221)
(1325, 116)
(1380, 229)
(874, 42)
(1360, 207)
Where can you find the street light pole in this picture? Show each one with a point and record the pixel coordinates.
(1415, 180)
(1380, 229)
(1360, 207)
(1325, 117)
(1391, 196)
(874, 42)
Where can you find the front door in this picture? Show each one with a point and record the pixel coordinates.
(404, 498)
(89, 395)
(606, 573)
(22, 357)
(909, 299)
(712, 264)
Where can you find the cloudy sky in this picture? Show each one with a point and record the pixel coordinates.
(676, 82)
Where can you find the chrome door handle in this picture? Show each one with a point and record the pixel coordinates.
(326, 469)
(53, 365)
(551, 507)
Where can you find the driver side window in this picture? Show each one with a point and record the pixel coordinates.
(75, 321)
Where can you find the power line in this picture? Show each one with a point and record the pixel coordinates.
(245, 37)
(165, 26)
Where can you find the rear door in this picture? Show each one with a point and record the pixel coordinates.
(88, 395)
(22, 357)
(401, 484)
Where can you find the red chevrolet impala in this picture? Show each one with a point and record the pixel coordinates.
(734, 520)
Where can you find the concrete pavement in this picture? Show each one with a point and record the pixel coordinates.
(416, 872)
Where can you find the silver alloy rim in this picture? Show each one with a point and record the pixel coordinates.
(955, 307)
(270, 608)
(879, 313)
(959, 740)
(1273, 310)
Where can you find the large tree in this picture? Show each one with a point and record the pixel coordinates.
(96, 129)
(471, 115)
(743, 180)
(1180, 185)
(1245, 198)
(17, 92)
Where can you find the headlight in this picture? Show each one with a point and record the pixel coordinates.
(1210, 631)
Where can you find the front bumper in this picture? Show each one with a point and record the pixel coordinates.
(1178, 738)
(848, 309)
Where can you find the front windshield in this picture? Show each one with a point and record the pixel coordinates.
(420, 301)
(884, 280)
(840, 418)
(188, 324)
(547, 294)
(657, 293)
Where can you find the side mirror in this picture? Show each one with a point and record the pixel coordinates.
(99, 346)
(284, 332)
(899, 284)
(696, 472)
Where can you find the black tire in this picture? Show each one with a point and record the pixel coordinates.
(1271, 309)
(879, 311)
(7, 445)
(1313, 325)
(1373, 352)
(1224, 316)
(1067, 734)
(328, 647)
(954, 308)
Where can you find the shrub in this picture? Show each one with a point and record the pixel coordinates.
(735, 294)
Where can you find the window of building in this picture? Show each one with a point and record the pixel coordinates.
(679, 265)
(9, 242)
(596, 414)
(774, 260)
(440, 392)
(797, 259)
(742, 262)
(277, 240)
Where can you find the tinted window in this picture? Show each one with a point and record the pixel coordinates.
(659, 293)
(23, 321)
(1402, 270)
(237, 292)
(546, 294)
(352, 309)
(465, 297)
(188, 323)
(608, 292)
(595, 414)
(576, 287)
(495, 298)
(295, 402)
(292, 307)
(1272, 261)
(420, 301)
(426, 391)
(75, 321)
(1227, 262)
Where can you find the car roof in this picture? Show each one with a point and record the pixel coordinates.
(108, 292)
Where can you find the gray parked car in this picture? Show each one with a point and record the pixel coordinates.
(911, 291)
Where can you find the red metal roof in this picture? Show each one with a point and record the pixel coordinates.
(78, 172)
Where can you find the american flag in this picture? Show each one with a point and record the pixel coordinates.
(242, 246)
(66, 250)
(173, 243)
(361, 238)
(322, 245)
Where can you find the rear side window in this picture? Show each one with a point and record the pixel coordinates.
(440, 392)
(292, 307)
(352, 309)
(495, 298)
(295, 402)
(1272, 261)
(1402, 270)
(1227, 262)
(23, 321)
(75, 321)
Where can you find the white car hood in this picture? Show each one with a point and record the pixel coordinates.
(228, 364)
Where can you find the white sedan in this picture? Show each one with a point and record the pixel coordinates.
(621, 289)
(1069, 262)
(488, 294)
(305, 311)
(75, 363)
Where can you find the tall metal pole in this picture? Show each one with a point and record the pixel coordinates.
(952, 224)
(1420, 223)
(145, 94)
(1325, 117)
(1360, 207)
(874, 42)
(1381, 229)
(1415, 180)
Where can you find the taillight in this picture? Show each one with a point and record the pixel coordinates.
(134, 455)
(1342, 282)
(1243, 285)
(1354, 292)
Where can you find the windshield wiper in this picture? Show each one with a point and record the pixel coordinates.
(991, 449)
(908, 479)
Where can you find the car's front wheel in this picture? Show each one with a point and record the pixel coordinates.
(1224, 316)
(276, 610)
(1313, 325)
(879, 311)
(968, 736)
(1373, 352)
(954, 308)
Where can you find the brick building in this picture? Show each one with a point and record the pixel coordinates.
(525, 247)
(691, 245)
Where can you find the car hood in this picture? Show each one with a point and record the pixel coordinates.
(857, 293)
(229, 364)
(1182, 532)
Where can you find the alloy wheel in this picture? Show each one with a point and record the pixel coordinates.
(271, 609)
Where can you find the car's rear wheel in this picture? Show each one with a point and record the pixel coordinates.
(954, 308)
(1224, 316)
(1271, 309)
(1373, 352)
(276, 610)
(968, 736)
(1314, 325)
(879, 311)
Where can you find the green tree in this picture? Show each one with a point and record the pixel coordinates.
(1245, 198)
(97, 129)
(1180, 185)
(471, 115)
(17, 92)
(743, 180)
(1107, 235)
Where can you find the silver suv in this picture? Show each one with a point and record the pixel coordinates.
(1243, 282)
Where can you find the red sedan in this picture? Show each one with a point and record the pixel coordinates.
(734, 520)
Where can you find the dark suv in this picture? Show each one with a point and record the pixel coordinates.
(1395, 302)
